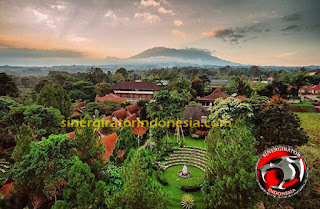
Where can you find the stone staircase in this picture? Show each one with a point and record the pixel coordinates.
(187, 155)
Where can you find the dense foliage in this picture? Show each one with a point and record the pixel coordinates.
(230, 178)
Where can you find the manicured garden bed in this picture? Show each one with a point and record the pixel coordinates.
(303, 107)
(175, 182)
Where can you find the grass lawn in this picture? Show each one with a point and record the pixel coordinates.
(189, 141)
(311, 124)
(175, 182)
(303, 103)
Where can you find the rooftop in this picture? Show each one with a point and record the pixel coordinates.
(217, 93)
(136, 85)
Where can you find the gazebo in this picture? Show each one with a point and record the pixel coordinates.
(208, 100)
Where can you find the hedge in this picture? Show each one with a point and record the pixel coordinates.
(301, 108)
(189, 188)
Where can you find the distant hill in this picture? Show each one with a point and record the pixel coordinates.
(188, 55)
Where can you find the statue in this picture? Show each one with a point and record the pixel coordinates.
(184, 173)
(184, 170)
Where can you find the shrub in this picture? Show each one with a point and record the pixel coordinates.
(302, 108)
(187, 201)
(160, 178)
(191, 188)
(195, 136)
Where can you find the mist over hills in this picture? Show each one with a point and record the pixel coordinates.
(188, 55)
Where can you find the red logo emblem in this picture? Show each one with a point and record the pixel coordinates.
(281, 171)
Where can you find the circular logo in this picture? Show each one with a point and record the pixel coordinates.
(281, 171)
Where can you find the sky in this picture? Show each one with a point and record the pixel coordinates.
(260, 32)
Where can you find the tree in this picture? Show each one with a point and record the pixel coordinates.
(43, 121)
(139, 189)
(231, 109)
(45, 167)
(55, 96)
(101, 89)
(198, 87)
(126, 141)
(276, 124)
(238, 86)
(109, 106)
(7, 86)
(96, 75)
(81, 190)
(230, 177)
(77, 95)
(23, 140)
(298, 80)
(122, 71)
(89, 149)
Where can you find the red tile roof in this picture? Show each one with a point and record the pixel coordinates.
(217, 93)
(133, 108)
(136, 127)
(120, 114)
(109, 142)
(110, 97)
(82, 104)
(316, 87)
(70, 135)
(240, 97)
(6, 189)
(136, 85)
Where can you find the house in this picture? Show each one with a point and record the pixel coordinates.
(208, 100)
(197, 113)
(315, 90)
(109, 143)
(134, 108)
(134, 91)
(120, 115)
(77, 113)
(110, 97)
(313, 72)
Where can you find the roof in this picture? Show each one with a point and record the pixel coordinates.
(136, 85)
(121, 114)
(314, 71)
(110, 97)
(109, 142)
(316, 87)
(70, 135)
(240, 97)
(195, 112)
(133, 108)
(82, 104)
(136, 127)
(5, 189)
(217, 93)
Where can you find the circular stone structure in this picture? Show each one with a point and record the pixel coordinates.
(184, 173)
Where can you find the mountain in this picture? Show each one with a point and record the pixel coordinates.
(188, 55)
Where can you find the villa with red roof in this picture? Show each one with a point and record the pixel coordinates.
(110, 97)
(315, 90)
(208, 100)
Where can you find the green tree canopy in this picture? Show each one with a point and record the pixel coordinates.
(55, 96)
(230, 178)
(81, 190)
(89, 149)
(139, 189)
(7, 86)
(45, 167)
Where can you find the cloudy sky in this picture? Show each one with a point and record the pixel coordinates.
(264, 32)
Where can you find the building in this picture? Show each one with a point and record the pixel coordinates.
(195, 114)
(313, 72)
(208, 100)
(110, 97)
(134, 91)
(315, 90)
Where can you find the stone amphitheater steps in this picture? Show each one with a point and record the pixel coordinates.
(190, 156)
